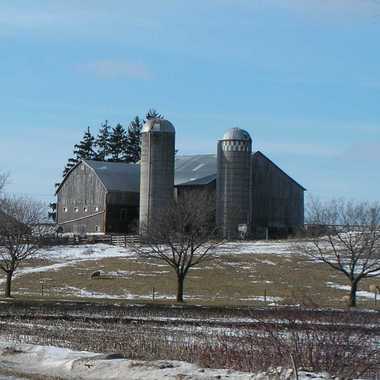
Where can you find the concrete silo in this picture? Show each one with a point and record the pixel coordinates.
(156, 169)
(233, 183)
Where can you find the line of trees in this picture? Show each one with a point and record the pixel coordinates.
(113, 144)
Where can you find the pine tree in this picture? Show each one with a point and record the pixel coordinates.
(83, 150)
(102, 142)
(133, 149)
(118, 144)
(71, 162)
(53, 213)
(153, 114)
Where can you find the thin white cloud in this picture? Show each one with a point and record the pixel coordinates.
(112, 69)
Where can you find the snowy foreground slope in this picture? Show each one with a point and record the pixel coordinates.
(26, 359)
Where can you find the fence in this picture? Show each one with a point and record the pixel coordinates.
(117, 240)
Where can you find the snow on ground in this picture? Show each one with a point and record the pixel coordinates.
(282, 248)
(67, 364)
(359, 293)
(84, 252)
(63, 256)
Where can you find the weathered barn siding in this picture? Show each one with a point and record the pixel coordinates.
(278, 201)
(81, 202)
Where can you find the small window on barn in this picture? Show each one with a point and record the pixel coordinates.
(85, 209)
(65, 209)
(76, 209)
(96, 209)
(97, 229)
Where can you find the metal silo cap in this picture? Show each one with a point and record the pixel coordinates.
(236, 134)
(158, 125)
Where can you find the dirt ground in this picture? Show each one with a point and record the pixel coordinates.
(241, 279)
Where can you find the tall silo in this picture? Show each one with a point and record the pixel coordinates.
(233, 208)
(156, 169)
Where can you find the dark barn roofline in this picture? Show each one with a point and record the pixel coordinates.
(190, 170)
(268, 159)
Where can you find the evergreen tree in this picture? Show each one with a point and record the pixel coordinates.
(153, 114)
(133, 149)
(118, 144)
(102, 142)
(71, 162)
(83, 150)
(53, 213)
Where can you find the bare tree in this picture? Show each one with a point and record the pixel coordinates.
(18, 218)
(182, 235)
(345, 236)
(3, 181)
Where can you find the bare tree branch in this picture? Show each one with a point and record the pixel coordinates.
(18, 218)
(183, 236)
(345, 236)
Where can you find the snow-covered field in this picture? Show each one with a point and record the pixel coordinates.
(67, 364)
(64, 256)
(270, 272)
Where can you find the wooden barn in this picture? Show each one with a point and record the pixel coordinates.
(103, 197)
(99, 197)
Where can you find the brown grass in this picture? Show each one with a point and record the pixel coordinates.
(230, 279)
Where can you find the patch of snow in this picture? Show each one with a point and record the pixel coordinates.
(359, 293)
(61, 362)
(282, 248)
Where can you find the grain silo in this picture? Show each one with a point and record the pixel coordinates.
(233, 208)
(156, 169)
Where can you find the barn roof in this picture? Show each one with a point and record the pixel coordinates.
(117, 176)
(194, 170)
(190, 170)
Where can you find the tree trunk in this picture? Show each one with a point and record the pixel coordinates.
(8, 285)
(354, 288)
(180, 281)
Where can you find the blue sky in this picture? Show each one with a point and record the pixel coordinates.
(302, 76)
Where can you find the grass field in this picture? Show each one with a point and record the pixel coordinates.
(246, 274)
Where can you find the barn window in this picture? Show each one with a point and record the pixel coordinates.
(76, 209)
(97, 229)
(96, 209)
(65, 209)
(85, 209)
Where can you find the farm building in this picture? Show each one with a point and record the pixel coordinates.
(104, 197)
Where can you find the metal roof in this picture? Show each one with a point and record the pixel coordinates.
(236, 134)
(191, 170)
(117, 176)
(158, 125)
(197, 169)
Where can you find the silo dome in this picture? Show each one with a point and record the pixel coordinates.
(236, 134)
(158, 125)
